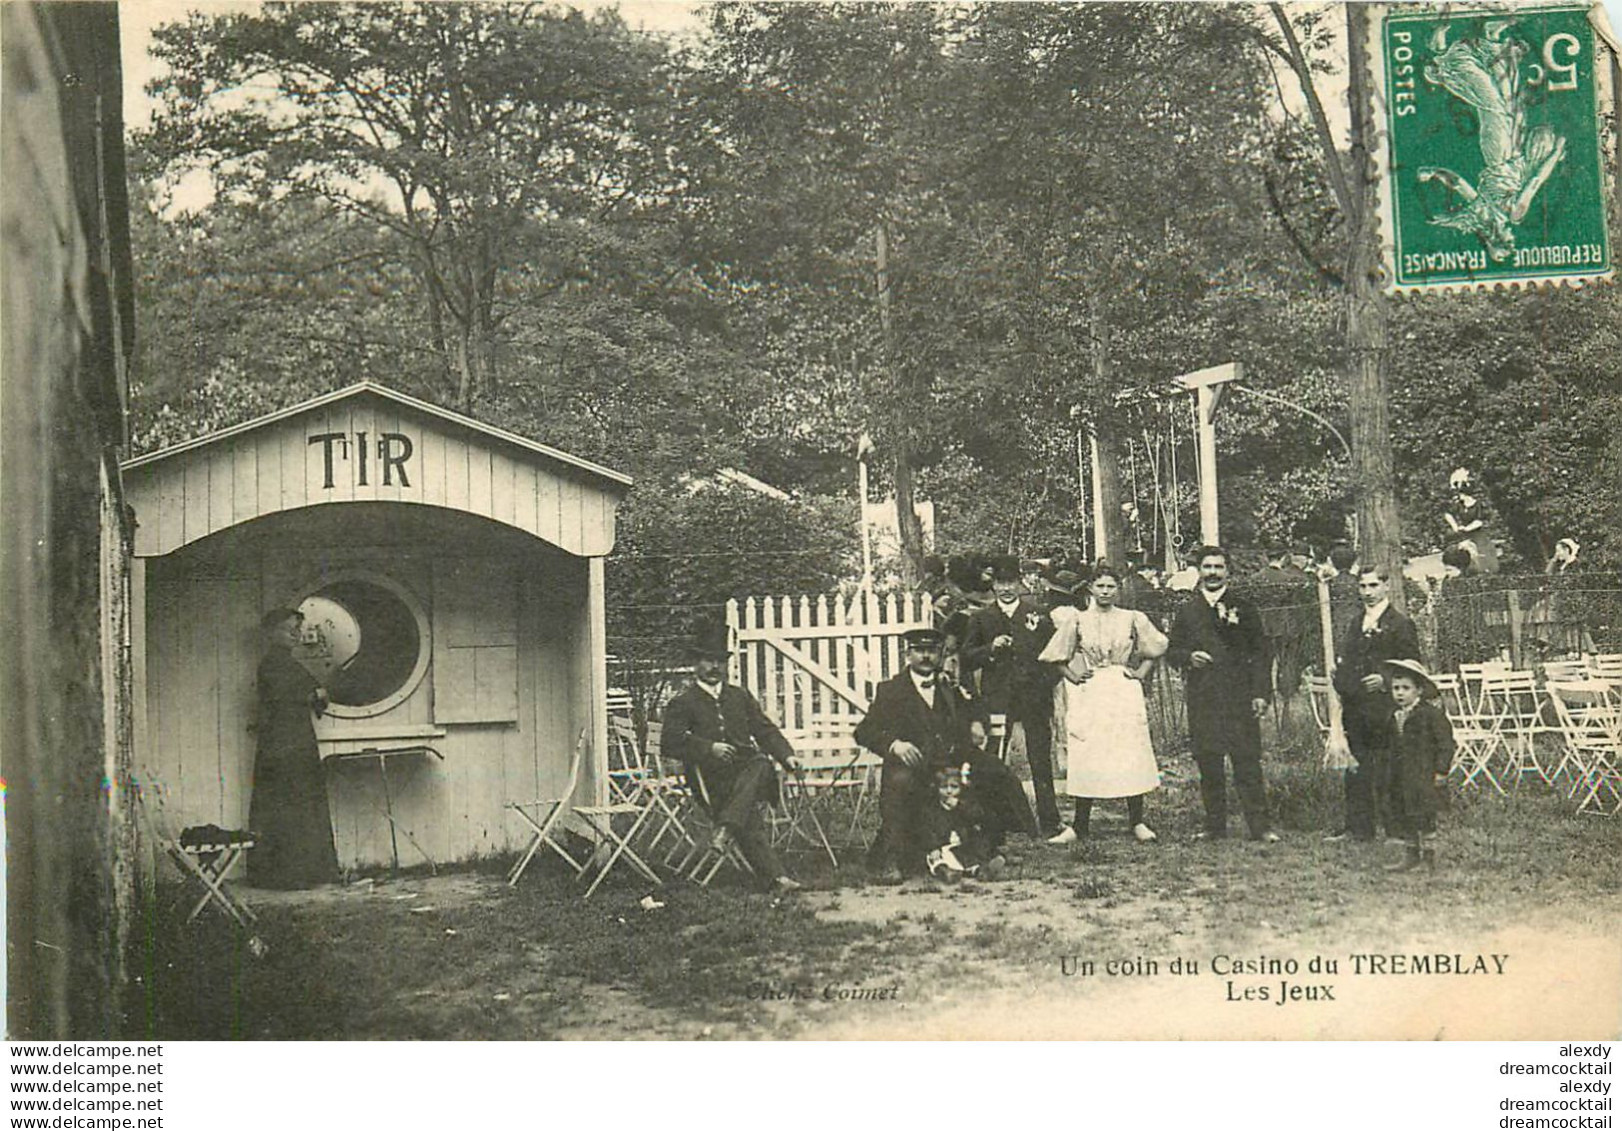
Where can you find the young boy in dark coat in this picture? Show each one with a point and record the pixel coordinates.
(1421, 757)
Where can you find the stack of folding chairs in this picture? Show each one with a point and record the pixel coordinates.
(1513, 699)
(1590, 720)
(1477, 736)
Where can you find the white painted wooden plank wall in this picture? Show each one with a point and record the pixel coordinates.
(283, 465)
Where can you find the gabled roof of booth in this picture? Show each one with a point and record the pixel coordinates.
(368, 443)
(499, 434)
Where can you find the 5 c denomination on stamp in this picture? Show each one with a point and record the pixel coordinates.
(1492, 160)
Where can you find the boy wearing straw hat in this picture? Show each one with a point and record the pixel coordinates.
(1421, 756)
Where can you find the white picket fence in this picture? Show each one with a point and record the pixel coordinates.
(813, 663)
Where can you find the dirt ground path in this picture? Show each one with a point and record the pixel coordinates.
(1522, 981)
(1008, 961)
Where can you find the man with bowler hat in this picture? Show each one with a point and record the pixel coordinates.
(720, 731)
(919, 722)
(1002, 644)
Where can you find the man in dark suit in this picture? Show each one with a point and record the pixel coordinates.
(1002, 643)
(719, 730)
(1380, 635)
(1217, 640)
(917, 723)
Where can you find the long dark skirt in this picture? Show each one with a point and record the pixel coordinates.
(288, 809)
(289, 812)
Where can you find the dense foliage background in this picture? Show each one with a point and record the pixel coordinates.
(963, 231)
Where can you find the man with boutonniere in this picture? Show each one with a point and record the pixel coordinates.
(1218, 642)
(1002, 644)
(1381, 635)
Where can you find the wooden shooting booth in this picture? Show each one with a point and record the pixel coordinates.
(451, 577)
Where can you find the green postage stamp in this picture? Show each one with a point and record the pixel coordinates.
(1492, 161)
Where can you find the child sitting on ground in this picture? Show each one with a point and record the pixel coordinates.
(955, 847)
(1421, 757)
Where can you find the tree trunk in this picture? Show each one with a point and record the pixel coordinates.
(466, 378)
(433, 288)
(1368, 335)
(909, 530)
(1109, 450)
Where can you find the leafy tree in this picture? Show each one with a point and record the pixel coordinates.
(478, 136)
(683, 552)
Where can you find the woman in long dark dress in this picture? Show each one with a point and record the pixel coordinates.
(288, 808)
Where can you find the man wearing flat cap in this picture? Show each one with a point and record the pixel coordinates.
(1002, 644)
(720, 730)
(919, 722)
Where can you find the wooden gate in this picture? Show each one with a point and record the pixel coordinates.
(814, 663)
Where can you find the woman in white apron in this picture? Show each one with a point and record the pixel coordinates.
(1105, 654)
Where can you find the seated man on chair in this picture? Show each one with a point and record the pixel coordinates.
(719, 730)
(919, 723)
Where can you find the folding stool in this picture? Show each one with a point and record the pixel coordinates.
(203, 854)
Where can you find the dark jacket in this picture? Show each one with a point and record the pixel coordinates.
(1237, 645)
(936, 828)
(898, 712)
(995, 798)
(1422, 748)
(1425, 745)
(1360, 654)
(1220, 718)
(1012, 681)
(695, 720)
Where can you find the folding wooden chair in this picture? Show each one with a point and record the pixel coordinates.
(1513, 696)
(834, 776)
(1475, 737)
(625, 766)
(203, 854)
(1606, 667)
(1470, 680)
(1590, 714)
(544, 816)
(600, 820)
(708, 859)
(670, 800)
(796, 816)
(1563, 671)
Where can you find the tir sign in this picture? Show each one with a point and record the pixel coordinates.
(392, 451)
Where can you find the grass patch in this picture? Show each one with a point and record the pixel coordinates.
(367, 967)
(474, 959)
